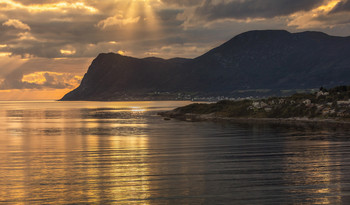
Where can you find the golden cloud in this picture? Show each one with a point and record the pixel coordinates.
(68, 50)
(121, 52)
(16, 24)
(3, 54)
(118, 20)
(306, 20)
(52, 79)
(26, 36)
(59, 6)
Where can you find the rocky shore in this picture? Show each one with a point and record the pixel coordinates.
(293, 121)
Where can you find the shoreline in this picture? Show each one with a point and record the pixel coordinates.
(317, 122)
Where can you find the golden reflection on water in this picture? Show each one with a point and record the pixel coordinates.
(138, 109)
(84, 167)
(89, 154)
(313, 168)
(119, 153)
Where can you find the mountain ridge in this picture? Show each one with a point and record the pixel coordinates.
(260, 59)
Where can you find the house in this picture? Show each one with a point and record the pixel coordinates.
(343, 103)
(307, 102)
(321, 93)
(259, 105)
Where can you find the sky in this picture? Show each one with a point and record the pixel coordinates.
(46, 46)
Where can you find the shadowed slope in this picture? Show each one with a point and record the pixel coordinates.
(270, 59)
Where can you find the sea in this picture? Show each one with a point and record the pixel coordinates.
(124, 153)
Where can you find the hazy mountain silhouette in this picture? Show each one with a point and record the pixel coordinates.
(268, 59)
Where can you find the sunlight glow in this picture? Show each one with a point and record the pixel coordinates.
(303, 20)
(151, 18)
(16, 24)
(120, 52)
(119, 20)
(3, 54)
(68, 51)
(138, 109)
(313, 169)
(52, 78)
(132, 16)
(62, 6)
(26, 36)
(329, 6)
(30, 94)
(37, 78)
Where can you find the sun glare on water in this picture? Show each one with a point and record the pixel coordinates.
(138, 109)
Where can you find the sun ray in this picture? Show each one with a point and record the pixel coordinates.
(151, 19)
(142, 10)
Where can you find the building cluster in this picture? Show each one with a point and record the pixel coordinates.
(320, 104)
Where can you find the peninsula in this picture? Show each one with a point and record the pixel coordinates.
(324, 106)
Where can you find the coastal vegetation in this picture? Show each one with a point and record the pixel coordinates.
(324, 104)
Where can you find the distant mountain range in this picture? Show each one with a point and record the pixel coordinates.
(258, 62)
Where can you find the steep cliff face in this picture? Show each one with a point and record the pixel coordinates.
(270, 59)
(112, 76)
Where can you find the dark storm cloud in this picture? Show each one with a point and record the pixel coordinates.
(238, 9)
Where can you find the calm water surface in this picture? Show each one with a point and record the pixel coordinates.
(122, 152)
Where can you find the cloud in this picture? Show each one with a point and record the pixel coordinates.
(2, 54)
(342, 6)
(16, 24)
(50, 80)
(68, 50)
(44, 6)
(183, 2)
(250, 9)
(118, 20)
(41, 80)
(325, 16)
(55, 40)
(75, 28)
(52, 26)
(179, 50)
(41, 73)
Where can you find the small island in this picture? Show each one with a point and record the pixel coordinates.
(331, 107)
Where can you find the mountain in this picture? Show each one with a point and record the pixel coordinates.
(255, 61)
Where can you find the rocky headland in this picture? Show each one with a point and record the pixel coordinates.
(323, 108)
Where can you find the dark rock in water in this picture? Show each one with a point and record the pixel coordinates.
(269, 59)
